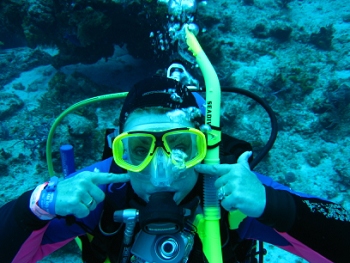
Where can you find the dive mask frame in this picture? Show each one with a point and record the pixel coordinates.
(158, 139)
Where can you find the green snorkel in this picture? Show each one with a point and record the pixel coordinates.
(66, 112)
(210, 233)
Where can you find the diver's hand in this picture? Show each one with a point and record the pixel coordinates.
(80, 194)
(241, 188)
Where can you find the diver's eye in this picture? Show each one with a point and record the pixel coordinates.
(140, 152)
(181, 142)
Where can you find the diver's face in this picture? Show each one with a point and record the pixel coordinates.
(142, 185)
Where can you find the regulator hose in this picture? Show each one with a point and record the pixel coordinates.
(273, 120)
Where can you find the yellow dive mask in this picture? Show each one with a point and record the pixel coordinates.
(134, 150)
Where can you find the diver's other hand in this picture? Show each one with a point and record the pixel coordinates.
(240, 186)
(80, 194)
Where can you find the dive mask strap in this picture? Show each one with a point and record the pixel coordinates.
(111, 136)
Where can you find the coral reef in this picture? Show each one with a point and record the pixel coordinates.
(283, 3)
(9, 104)
(11, 14)
(15, 61)
(281, 33)
(83, 31)
(260, 31)
(336, 106)
(323, 39)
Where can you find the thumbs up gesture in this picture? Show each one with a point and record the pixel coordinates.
(238, 185)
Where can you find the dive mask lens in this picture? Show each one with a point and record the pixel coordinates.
(187, 147)
(133, 151)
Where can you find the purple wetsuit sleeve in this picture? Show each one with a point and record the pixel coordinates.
(317, 228)
(16, 225)
(23, 235)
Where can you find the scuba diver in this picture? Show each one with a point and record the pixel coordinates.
(171, 189)
(144, 204)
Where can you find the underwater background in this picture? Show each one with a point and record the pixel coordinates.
(293, 53)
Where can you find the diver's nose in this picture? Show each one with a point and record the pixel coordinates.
(160, 176)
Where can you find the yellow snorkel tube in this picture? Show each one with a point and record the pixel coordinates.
(210, 233)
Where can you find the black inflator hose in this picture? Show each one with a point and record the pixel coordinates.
(273, 120)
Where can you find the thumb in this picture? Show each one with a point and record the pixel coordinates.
(243, 159)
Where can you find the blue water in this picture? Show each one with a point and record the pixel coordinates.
(294, 54)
